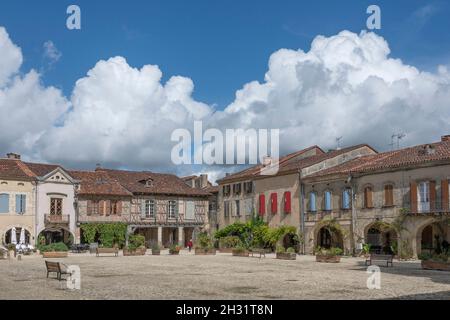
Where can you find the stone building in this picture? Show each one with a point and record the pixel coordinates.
(161, 207)
(396, 200)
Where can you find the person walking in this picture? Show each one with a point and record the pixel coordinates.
(190, 244)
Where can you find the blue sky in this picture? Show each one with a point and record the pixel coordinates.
(220, 45)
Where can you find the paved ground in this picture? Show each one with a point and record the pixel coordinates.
(218, 277)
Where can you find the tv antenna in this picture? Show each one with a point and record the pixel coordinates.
(398, 136)
(338, 143)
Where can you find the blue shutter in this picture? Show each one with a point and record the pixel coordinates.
(346, 199)
(312, 202)
(18, 204)
(4, 203)
(328, 201)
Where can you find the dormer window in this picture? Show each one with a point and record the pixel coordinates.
(147, 182)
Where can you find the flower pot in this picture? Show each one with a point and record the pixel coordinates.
(328, 259)
(137, 252)
(54, 254)
(205, 251)
(435, 265)
(240, 253)
(286, 256)
(226, 250)
(156, 252)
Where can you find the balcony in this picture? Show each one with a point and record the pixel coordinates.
(427, 208)
(57, 219)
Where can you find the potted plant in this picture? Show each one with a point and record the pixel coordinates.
(11, 250)
(284, 254)
(54, 250)
(435, 261)
(240, 251)
(204, 245)
(136, 246)
(174, 249)
(365, 250)
(332, 255)
(156, 249)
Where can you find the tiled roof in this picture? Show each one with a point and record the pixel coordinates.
(134, 181)
(255, 170)
(15, 170)
(98, 183)
(211, 189)
(41, 169)
(307, 162)
(413, 156)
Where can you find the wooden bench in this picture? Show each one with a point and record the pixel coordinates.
(388, 258)
(100, 251)
(57, 267)
(261, 252)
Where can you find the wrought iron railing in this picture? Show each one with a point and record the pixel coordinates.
(427, 207)
(57, 218)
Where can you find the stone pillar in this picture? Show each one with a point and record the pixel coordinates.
(160, 236)
(181, 236)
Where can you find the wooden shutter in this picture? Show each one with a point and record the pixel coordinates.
(89, 207)
(287, 202)
(274, 202)
(369, 197)
(262, 205)
(119, 207)
(444, 195)
(388, 195)
(432, 195)
(413, 196)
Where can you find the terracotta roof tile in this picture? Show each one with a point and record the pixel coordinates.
(41, 169)
(160, 183)
(98, 183)
(412, 156)
(15, 170)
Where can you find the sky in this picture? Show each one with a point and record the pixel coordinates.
(114, 91)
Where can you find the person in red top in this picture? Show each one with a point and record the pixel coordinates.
(190, 244)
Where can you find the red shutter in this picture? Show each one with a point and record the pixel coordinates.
(287, 202)
(432, 195)
(413, 196)
(262, 205)
(274, 203)
(444, 194)
(101, 207)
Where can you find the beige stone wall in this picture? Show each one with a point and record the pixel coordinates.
(245, 215)
(12, 219)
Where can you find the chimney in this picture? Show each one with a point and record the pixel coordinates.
(445, 138)
(14, 156)
(267, 161)
(204, 180)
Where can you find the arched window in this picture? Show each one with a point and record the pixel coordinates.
(368, 195)
(388, 195)
(346, 198)
(327, 201)
(312, 202)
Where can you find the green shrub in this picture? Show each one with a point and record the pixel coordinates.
(290, 250)
(11, 246)
(58, 247)
(328, 252)
(281, 249)
(174, 248)
(204, 241)
(229, 242)
(425, 256)
(155, 246)
(366, 248)
(109, 234)
(136, 241)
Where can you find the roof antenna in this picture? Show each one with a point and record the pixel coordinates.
(398, 136)
(338, 143)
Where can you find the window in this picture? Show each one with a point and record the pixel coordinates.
(327, 201)
(312, 202)
(172, 209)
(274, 203)
(238, 208)
(368, 203)
(423, 193)
(115, 207)
(388, 195)
(21, 201)
(92, 207)
(56, 206)
(287, 202)
(4, 203)
(149, 208)
(237, 188)
(248, 187)
(226, 209)
(226, 190)
(346, 199)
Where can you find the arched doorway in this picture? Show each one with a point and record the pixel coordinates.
(55, 235)
(18, 231)
(327, 238)
(382, 238)
(433, 238)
